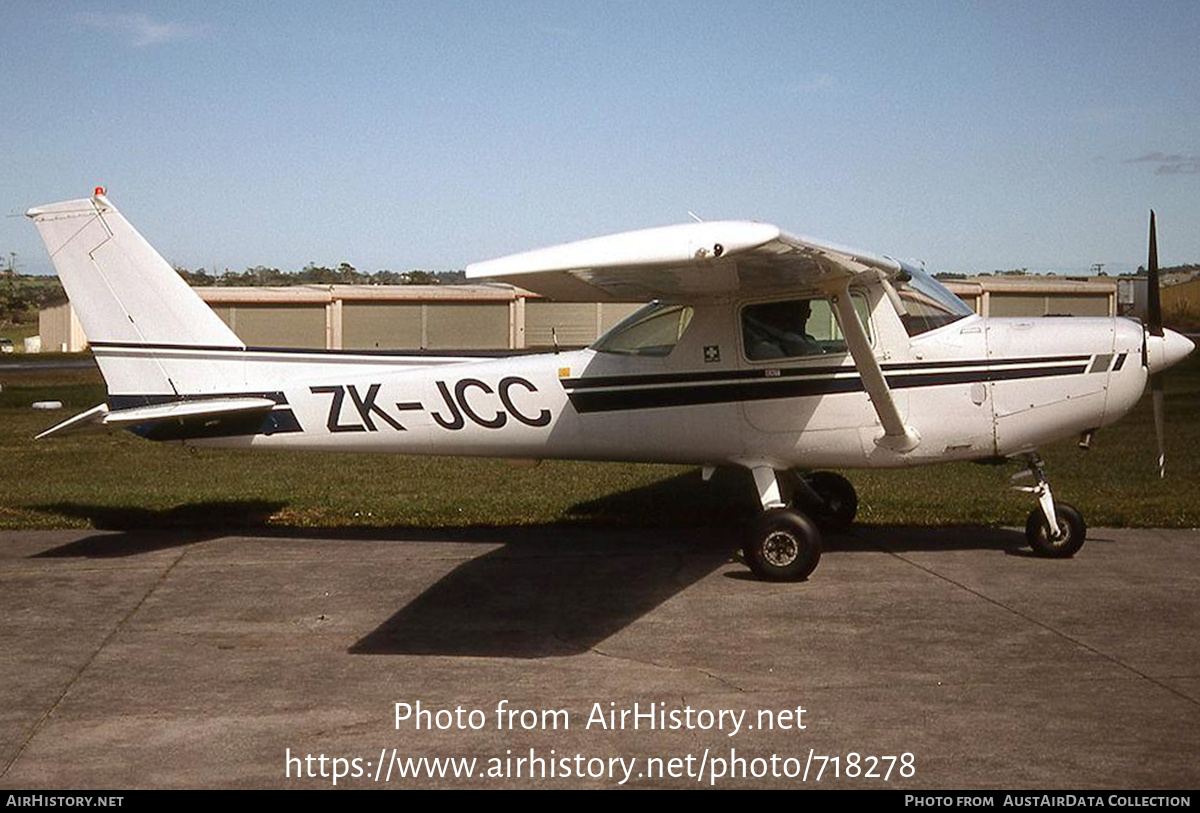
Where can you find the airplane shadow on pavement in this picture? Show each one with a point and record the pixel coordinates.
(548, 590)
(553, 592)
(143, 530)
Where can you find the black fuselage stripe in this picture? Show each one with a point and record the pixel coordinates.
(774, 373)
(616, 399)
(992, 362)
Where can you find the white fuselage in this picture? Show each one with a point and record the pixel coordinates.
(976, 388)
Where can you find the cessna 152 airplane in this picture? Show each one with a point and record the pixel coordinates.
(760, 349)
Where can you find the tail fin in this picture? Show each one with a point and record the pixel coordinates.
(139, 315)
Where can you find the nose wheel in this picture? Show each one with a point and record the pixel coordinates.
(1054, 530)
(1064, 544)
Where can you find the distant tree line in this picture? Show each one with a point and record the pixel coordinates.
(23, 295)
(1012, 272)
(313, 274)
(1188, 268)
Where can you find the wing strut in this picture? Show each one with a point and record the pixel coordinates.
(896, 436)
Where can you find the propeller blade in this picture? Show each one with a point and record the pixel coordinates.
(1153, 303)
(1155, 327)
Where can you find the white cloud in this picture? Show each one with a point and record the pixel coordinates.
(1175, 164)
(141, 29)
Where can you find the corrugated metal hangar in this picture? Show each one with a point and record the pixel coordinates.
(495, 317)
(1036, 296)
(384, 317)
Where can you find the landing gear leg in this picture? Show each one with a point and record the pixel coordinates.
(784, 544)
(1055, 530)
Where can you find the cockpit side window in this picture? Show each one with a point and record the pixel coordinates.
(651, 331)
(795, 328)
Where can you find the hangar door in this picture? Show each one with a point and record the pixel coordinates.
(276, 325)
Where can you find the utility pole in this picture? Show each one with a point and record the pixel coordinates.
(12, 291)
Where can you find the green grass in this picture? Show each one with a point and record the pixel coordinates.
(18, 333)
(118, 480)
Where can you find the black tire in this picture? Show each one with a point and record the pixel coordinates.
(784, 546)
(1070, 523)
(839, 500)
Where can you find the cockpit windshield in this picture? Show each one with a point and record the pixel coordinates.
(928, 304)
(650, 331)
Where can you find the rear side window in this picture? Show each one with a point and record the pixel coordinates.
(652, 331)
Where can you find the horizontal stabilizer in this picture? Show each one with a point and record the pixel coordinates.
(187, 410)
(101, 417)
(92, 419)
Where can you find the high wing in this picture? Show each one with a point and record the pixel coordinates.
(690, 262)
(707, 261)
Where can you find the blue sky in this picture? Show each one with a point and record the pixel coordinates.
(975, 136)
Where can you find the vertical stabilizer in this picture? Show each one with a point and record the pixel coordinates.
(122, 289)
(135, 309)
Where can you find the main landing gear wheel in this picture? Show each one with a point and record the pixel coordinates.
(784, 546)
(1072, 532)
(838, 503)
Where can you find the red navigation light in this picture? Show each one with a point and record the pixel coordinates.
(99, 190)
